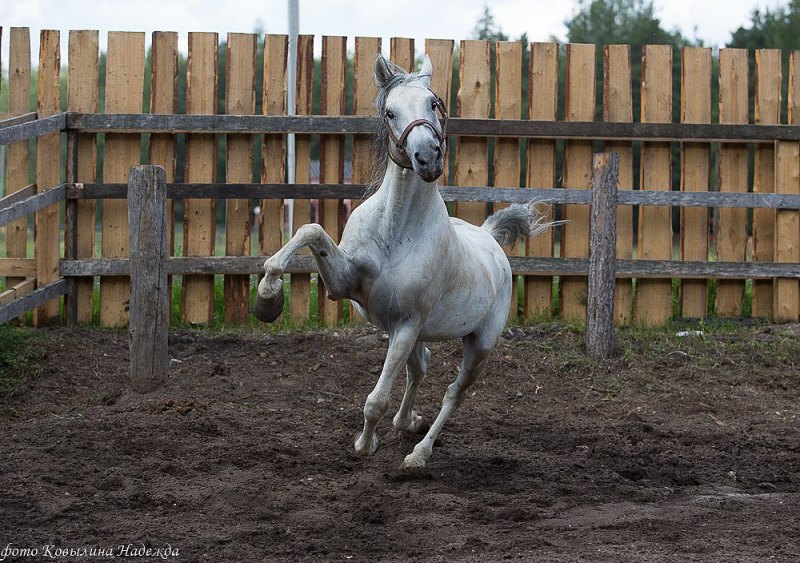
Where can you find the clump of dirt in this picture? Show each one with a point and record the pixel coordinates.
(677, 448)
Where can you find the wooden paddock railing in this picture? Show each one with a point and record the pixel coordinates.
(722, 243)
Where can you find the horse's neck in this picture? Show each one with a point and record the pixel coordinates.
(408, 200)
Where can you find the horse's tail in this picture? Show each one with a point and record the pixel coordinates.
(518, 219)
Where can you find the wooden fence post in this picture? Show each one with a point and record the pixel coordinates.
(150, 303)
(602, 255)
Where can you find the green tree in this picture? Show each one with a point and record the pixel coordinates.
(771, 29)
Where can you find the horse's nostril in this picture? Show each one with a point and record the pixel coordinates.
(438, 151)
(419, 159)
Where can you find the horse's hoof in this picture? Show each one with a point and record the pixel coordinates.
(413, 461)
(268, 309)
(417, 424)
(365, 450)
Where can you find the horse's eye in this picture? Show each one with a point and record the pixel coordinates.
(389, 114)
(434, 105)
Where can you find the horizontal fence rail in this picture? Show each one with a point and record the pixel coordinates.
(520, 265)
(449, 193)
(341, 125)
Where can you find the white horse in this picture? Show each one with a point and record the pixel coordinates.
(407, 266)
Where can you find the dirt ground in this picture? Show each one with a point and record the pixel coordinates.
(677, 449)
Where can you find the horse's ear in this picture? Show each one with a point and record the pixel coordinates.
(383, 71)
(426, 70)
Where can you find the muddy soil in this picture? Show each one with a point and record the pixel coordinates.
(682, 449)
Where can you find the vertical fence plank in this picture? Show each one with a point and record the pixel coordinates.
(331, 165)
(618, 107)
(82, 93)
(732, 225)
(401, 52)
(653, 300)
(48, 173)
(17, 175)
(472, 153)
(150, 309)
(364, 92)
(124, 90)
(240, 99)
(508, 105)
(440, 52)
(164, 99)
(787, 222)
(199, 215)
(767, 111)
(695, 174)
(273, 159)
(579, 106)
(300, 302)
(541, 173)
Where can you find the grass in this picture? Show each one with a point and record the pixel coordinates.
(18, 348)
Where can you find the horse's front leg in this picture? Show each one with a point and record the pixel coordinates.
(334, 266)
(401, 344)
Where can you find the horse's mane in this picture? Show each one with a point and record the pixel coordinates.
(380, 145)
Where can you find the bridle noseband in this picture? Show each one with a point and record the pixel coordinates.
(400, 142)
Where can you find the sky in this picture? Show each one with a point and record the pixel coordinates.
(710, 20)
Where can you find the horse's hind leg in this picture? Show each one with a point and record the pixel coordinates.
(406, 418)
(472, 365)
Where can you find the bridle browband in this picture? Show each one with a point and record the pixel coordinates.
(400, 142)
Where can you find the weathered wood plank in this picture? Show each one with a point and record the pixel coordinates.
(767, 111)
(17, 268)
(199, 215)
(579, 105)
(345, 125)
(787, 223)
(653, 301)
(18, 290)
(164, 99)
(519, 265)
(32, 204)
(732, 222)
(331, 165)
(17, 196)
(124, 90)
(82, 95)
(695, 174)
(451, 193)
(401, 52)
(440, 52)
(300, 284)
(508, 105)
(273, 154)
(150, 295)
(32, 300)
(472, 153)
(47, 235)
(602, 258)
(543, 79)
(240, 99)
(618, 107)
(43, 125)
(364, 92)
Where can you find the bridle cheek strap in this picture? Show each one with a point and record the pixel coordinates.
(400, 142)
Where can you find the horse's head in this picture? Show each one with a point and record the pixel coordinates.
(408, 108)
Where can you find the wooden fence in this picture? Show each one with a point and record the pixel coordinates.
(502, 140)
